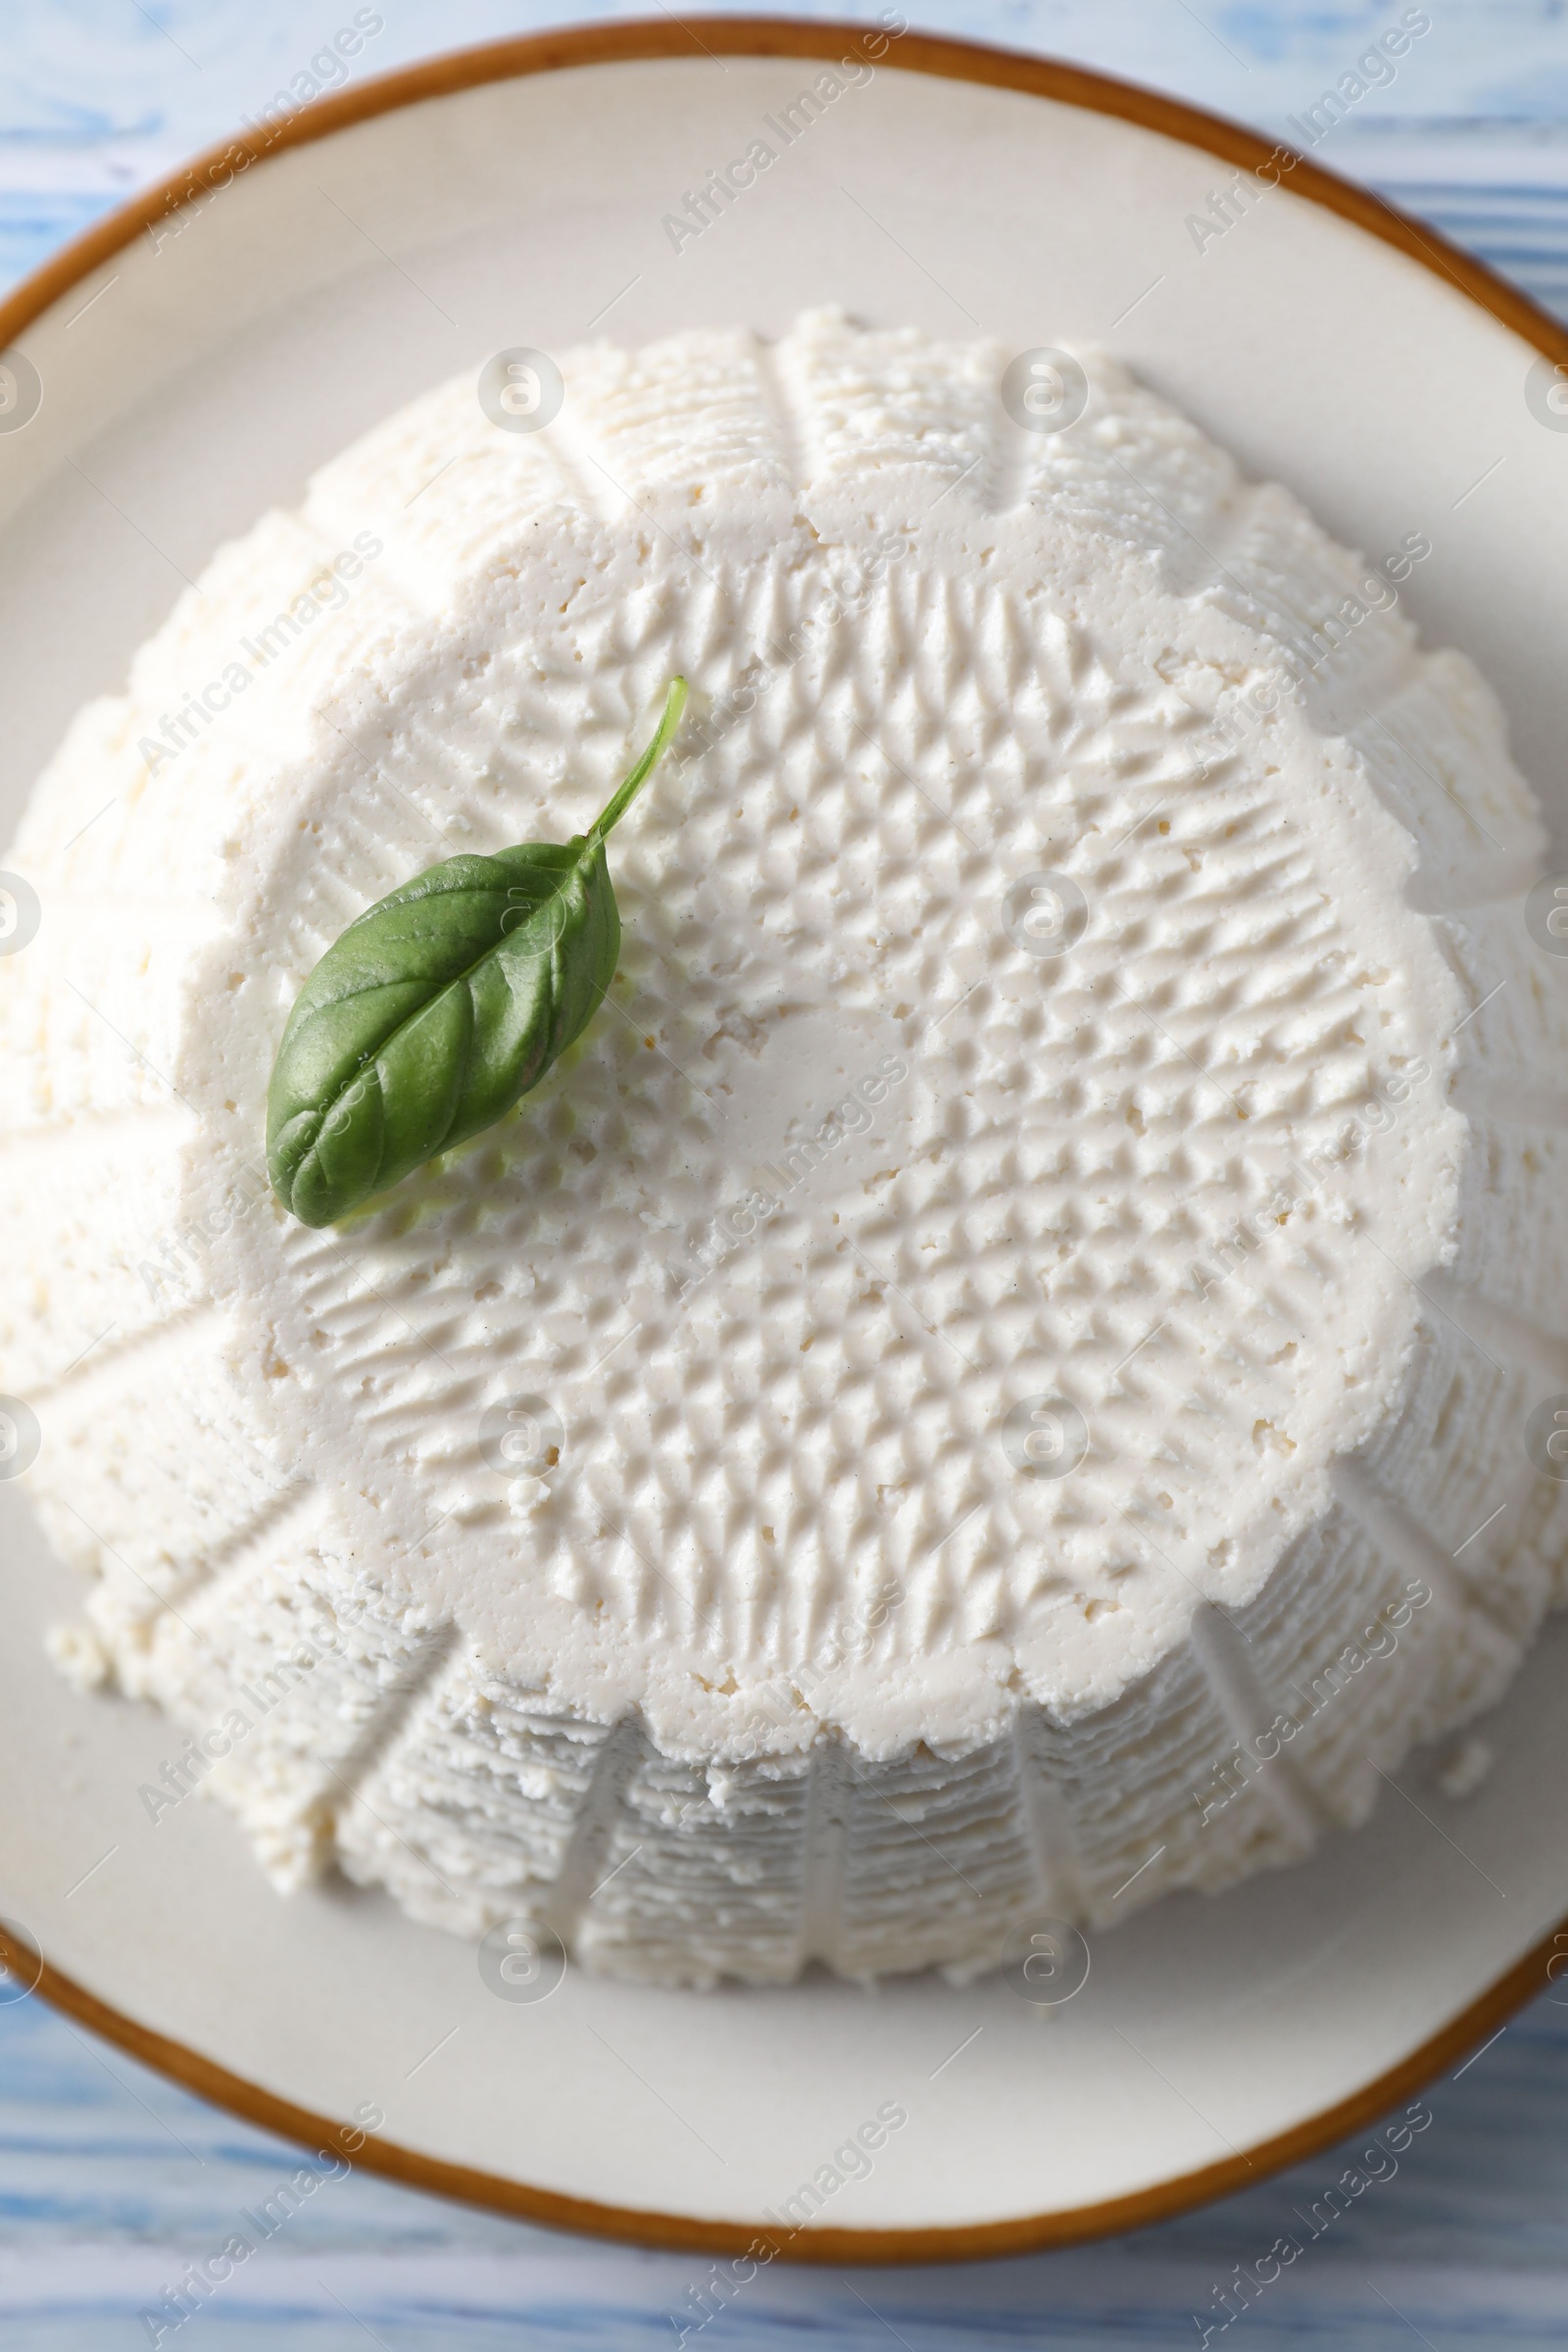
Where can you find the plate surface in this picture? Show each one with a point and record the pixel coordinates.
(517, 197)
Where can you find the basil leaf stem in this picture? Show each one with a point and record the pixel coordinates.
(441, 1005)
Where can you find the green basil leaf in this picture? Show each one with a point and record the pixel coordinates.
(440, 1007)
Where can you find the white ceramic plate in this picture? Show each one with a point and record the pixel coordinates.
(517, 196)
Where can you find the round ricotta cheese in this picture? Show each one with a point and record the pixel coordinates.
(999, 1362)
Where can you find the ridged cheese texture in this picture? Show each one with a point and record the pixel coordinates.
(1004, 1420)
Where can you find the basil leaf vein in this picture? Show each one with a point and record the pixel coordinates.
(441, 1005)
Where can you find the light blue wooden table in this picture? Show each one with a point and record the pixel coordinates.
(109, 2178)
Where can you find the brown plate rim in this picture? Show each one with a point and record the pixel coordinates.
(621, 42)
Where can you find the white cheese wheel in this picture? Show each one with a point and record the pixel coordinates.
(993, 1380)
